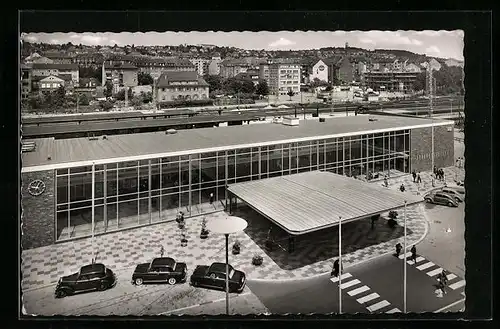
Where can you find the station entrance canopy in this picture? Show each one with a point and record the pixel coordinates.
(312, 201)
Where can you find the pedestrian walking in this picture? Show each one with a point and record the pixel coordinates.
(414, 254)
(335, 270)
(399, 247)
(414, 175)
(162, 251)
(402, 187)
(211, 198)
(419, 179)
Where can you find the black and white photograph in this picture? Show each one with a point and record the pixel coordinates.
(170, 173)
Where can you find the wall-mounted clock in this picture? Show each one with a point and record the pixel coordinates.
(36, 187)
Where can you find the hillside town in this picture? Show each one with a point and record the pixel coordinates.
(69, 78)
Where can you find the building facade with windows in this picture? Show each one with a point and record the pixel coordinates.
(284, 77)
(26, 83)
(173, 86)
(120, 75)
(390, 80)
(45, 70)
(319, 71)
(129, 181)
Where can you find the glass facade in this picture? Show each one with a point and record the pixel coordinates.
(144, 192)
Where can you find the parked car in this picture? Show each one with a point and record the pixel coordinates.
(89, 278)
(454, 193)
(441, 198)
(214, 277)
(160, 270)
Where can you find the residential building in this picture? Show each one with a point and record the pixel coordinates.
(59, 57)
(230, 68)
(284, 77)
(251, 75)
(143, 179)
(360, 69)
(181, 85)
(26, 83)
(155, 66)
(264, 72)
(42, 60)
(319, 71)
(45, 70)
(389, 80)
(89, 59)
(120, 75)
(53, 82)
(201, 65)
(214, 65)
(345, 71)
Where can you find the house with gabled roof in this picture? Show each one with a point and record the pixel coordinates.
(181, 85)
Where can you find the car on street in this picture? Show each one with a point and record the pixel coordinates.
(89, 278)
(160, 270)
(459, 197)
(441, 198)
(214, 277)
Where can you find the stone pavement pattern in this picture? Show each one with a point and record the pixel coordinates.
(125, 249)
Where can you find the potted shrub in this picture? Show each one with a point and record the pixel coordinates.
(392, 218)
(257, 260)
(236, 247)
(204, 231)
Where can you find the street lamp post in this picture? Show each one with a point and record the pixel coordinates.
(227, 226)
(404, 259)
(340, 264)
(93, 212)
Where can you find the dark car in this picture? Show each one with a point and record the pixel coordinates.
(214, 277)
(441, 198)
(89, 278)
(160, 270)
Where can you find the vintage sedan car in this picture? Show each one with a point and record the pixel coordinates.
(459, 197)
(214, 277)
(160, 270)
(441, 198)
(89, 278)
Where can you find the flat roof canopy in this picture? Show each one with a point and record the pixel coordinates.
(307, 202)
(74, 152)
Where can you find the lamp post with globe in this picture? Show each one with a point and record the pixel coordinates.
(226, 226)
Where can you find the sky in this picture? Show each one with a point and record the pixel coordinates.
(444, 44)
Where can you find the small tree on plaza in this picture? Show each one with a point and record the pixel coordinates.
(290, 94)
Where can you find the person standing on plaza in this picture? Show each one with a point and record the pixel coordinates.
(211, 198)
(414, 254)
(399, 247)
(419, 179)
(335, 270)
(414, 175)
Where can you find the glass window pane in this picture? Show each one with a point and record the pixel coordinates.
(144, 211)
(83, 169)
(99, 184)
(143, 179)
(184, 173)
(99, 223)
(263, 163)
(80, 222)
(62, 189)
(127, 214)
(255, 162)
(208, 170)
(62, 230)
(62, 171)
(111, 188)
(169, 206)
(243, 165)
(81, 187)
(127, 181)
(222, 168)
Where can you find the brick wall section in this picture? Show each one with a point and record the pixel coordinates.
(38, 211)
(421, 146)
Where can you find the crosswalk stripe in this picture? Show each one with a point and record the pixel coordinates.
(451, 276)
(367, 298)
(357, 291)
(457, 285)
(378, 306)
(435, 272)
(424, 266)
(349, 284)
(408, 254)
(394, 310)
(420, 258)
(343, 276)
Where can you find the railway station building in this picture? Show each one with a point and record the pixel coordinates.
(74, 187)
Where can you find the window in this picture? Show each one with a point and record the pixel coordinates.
(95, 276)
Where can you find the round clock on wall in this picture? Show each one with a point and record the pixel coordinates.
(36, 187)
